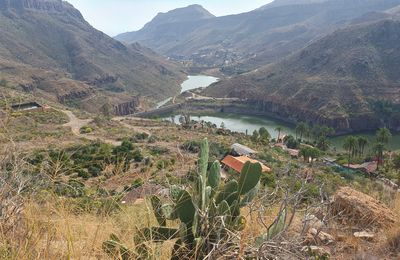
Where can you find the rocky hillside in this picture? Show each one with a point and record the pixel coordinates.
(164, 32)
(337, 80)
(162, 20)
(47, 48)
(239, 43)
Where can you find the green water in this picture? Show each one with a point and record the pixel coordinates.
(244, 123)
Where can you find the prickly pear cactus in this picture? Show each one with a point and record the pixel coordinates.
(209, 211)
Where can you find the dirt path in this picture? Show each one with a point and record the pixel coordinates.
(121, 119)
(76, 124)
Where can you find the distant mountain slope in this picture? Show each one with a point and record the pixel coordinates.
(180, 15)
(246, 41)
(48, 48)
(278, 3)
(166, 29)
(336, 80)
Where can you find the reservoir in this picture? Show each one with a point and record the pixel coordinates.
(193, 82)
(245, 123)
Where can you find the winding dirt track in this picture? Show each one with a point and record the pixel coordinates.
(76, 124)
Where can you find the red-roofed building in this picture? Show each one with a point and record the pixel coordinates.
(237, 163)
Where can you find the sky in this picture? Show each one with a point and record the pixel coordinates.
(118, 16)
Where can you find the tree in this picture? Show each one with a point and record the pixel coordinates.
(264, 135)
(323, 143)
(383, 135)
(302, 129)
(291, 142)
(255, 137)
(362, 143)
(350, 144)
(279, 130)
(379, 148)
(309, 153)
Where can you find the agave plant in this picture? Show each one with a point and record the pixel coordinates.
(208, 212)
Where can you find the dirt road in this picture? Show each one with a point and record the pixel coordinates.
(76, 124)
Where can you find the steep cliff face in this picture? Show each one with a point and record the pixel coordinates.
(127, 108)
(50, 40)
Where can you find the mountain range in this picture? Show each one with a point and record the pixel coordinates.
(338, 80)
(48, 49)
(240, 43)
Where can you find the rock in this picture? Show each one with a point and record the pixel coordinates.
(353, 207)
(313, 222)
(364, 235)
(316, 251)
(321, 237)
(127, 108)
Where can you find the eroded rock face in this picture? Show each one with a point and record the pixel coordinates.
(73, 95)
(294, 113)
(127, 108)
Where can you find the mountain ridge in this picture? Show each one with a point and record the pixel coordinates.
(243, 42)
(47, 48)
(334, 81)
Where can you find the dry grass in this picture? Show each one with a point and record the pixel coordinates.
(52, 231)
(393, 234)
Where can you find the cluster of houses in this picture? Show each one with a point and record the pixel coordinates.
(240, 155)
(234, 162)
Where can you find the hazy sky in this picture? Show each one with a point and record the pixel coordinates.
(117, 16)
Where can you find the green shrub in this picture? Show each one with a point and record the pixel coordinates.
(157, 150)
(140, 137)
(86, 130)
(138, 182)
(268, 180)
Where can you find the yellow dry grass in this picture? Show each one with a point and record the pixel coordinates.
(52, 231)
(393, 234)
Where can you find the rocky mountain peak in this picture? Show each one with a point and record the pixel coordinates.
(51, 6)
(189, 13)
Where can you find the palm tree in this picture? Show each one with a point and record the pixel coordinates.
(350, 144)
(279, 130)
(379, 148)
(301, 129)
(383, 135)
(362, 143)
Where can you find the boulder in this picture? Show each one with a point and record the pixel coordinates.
(312, 221)
(321, 237)
(364, 235)
(356, 208)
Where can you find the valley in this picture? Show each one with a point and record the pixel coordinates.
(265, 134)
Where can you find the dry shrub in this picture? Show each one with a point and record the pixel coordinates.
(354, 207)
(13, 183)
(393, 242)
(393, 234)
(53, 231)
